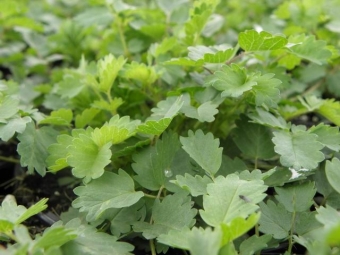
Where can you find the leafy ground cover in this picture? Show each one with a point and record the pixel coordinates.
(170, 127)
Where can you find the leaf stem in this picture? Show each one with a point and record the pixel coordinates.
(290, 246)
(151, 196)
(152, 247)
(10, 159)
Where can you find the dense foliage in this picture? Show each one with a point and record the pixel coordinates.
(201, 127)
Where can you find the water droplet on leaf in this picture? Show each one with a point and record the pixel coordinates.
(167, 173)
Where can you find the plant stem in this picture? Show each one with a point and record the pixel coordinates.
(290, 247)
(152, 247)
(255, 164)
(9, 159)
(151, 196)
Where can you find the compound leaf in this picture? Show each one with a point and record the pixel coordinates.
(109, 191)
(204, 149)
(229, 198)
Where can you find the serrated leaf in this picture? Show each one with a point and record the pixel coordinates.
(85, 117)
(91, 242)
(266, 90)
(268, 119)
(253, 140)
(196, 185)
(275, 220)
(204, 113)
(254, 243)
(232, 80)
(204, 149)
(12, 126)
(115, 131)
(224, 201)
(140, 72)
(332, 170)
(174, 212)
(33, 147)
(306, 224)
(109, 191)
(9, 106)
(251, 40)
(296, 197)
(198, 241)
(58, 153)
(167, 108)
(153, 165)
(70, 86)
(312, 50)
(87, 158)
(111, 106)
(327, 135)
(108, 69)
(298, 149)
(153, 127)
(61, 117)
(33, 210)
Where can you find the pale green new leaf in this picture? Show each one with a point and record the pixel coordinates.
(298, 149)
(53, 236)
(197, 185)
(91, 242)
(85, 117)
(327, 135)
(58, 153)
(204, 149)
(111, 106)
(254, 243)
(153, 165)
(253, 140)
(33, 147)
(238, 226)
(154, 127)
(12, 126)
(198, 241)
(311, 49)
(70, 86)
(275, 220)
(167, 108)
(61, 117)
(109, 191)
(230, 197)
(140, 72)
(174, 212)
(232, 80)
(330, 109)
(296, 197)
(87, 158)
(108, 69)
(332, 170)
(251, 40)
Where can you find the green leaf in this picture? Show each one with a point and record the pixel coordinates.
(99, 16)
(197, 185)
(229, 198)
(12, 126)
(54, 236)
(251, 40)
(173, 213)
(296, 197)
(85, 117)
(332, 170)
(61, 117)
(9, 106)
(306, 224)
(298, 149)
(167, 108)
(238, 226)
(70, 86)
(275, 220)
(16, 214)
(115, 131)
(198, 241)
(153, 165)
(108, 69)
(109, 191)
(33, 147)
(330, 109)
(111, 106)
(87, 158)
(327, 135)
(204, 113)
(253, 140)
(254, 243)
(153, 127)
(204, 149)
(169, 6)
(266, 90)
(311, 49)
(140, 72)
(91, 242)
(58, 153)
(268, 119)
(232, 80)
